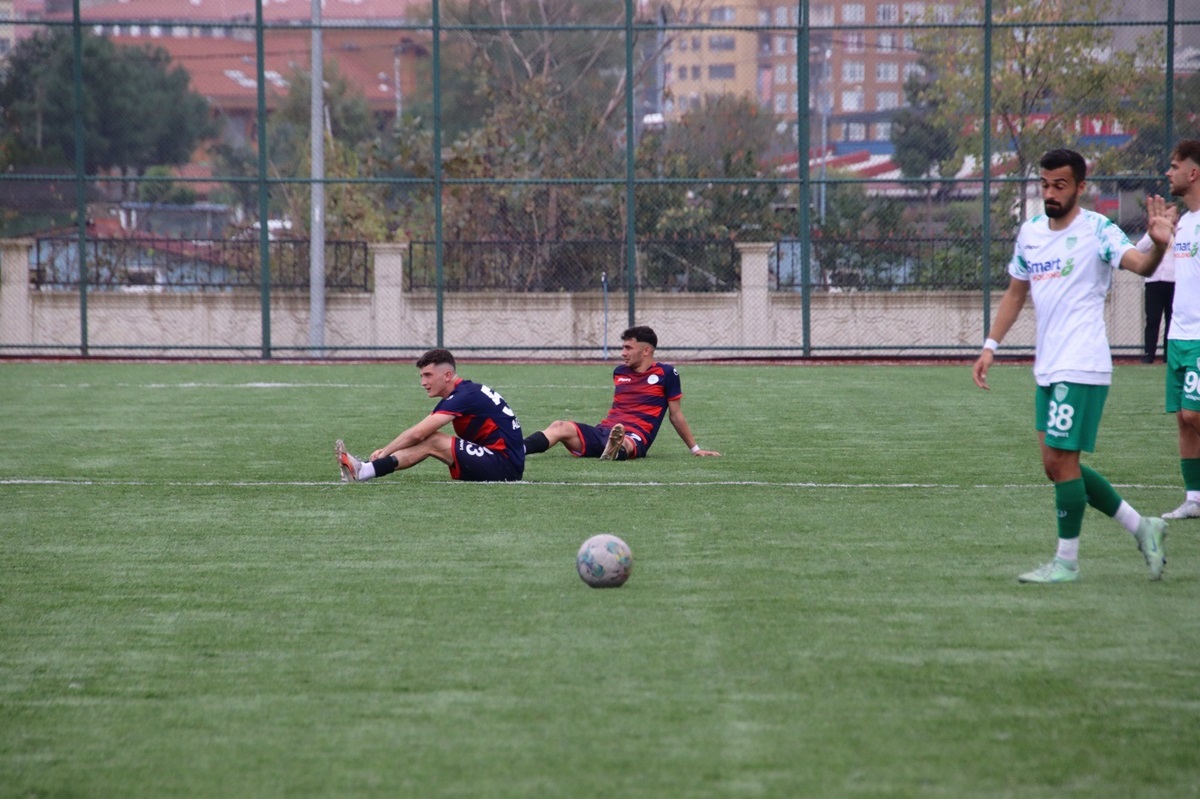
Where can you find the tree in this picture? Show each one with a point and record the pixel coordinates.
(924, 143)
(137, 111)
(1046, 77)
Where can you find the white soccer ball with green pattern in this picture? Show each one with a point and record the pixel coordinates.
(604, 561)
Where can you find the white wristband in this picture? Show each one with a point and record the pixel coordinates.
(695, 448)
(991, 344)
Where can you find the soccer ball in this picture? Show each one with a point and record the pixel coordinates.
(604, 561)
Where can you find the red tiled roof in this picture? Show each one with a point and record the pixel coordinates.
(225, 70)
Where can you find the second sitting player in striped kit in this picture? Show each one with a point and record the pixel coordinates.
(644, 391)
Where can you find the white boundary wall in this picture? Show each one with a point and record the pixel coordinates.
(390, 322)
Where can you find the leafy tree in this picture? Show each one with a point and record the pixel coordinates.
(137, 111)
(1045, 79)
(924, 143)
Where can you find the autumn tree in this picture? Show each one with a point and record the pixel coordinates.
(1048, 74)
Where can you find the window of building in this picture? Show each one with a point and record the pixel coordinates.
(887, 42)
(856, 41)
(883, 131)
(780, 103)
(911, 70)
(886, 101)
(781, 15)
(722, 72)
(695, 73)
(795, 70)
(781, 74)
(722, 43)
(722, 14)
(781, 45)
(887, 71)
(696, 43)
(853, 72)
(914, 12)
(909, 44)
(683, 73)
(852, 101)
(820, 14)
(943, 13)
(764, 17)
(856, 131)
(683, 44)
(887, 13)
(795, 103)
(854, 13)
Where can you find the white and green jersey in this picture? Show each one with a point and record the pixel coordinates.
(1070, 272)
(1185, 309)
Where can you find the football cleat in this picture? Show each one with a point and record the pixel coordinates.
(347, 463)
(1056, 571)
(1151, 536)
(1190, 509)
(615, 438)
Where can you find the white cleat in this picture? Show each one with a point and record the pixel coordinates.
(347, 463)
(1190, 509)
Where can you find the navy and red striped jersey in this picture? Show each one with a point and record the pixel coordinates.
(640, 399)
(482, 417)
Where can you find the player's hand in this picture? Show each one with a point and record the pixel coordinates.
(981, 368)
(1161, 218)
(706, 453)
(377, 454)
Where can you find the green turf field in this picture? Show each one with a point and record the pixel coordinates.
(193, 606)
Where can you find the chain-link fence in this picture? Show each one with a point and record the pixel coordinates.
(750, 177)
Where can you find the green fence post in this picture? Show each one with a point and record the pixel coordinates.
(264, 208)
(80, 177)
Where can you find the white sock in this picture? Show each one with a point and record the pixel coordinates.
(366, 471)
(1068, 549)
(1193, 496)
(1127, 517)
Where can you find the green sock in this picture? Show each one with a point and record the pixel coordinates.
(1191, 473)
(1100, 493)
(1070, 499)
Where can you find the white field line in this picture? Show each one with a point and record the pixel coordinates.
(84, 482)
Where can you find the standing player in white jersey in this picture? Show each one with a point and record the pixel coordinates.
(1183, 339)
(1065, 259)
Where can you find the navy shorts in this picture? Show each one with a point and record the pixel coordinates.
(477, 463)
(596, 438)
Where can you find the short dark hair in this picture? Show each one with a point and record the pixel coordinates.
(1187, 149)
(437, 358)
(641, 333)
(1057, 159)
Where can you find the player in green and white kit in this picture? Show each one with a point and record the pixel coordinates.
(1183, 340)
(1065, 259)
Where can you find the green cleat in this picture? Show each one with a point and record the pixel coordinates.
(1056, 571)
(1151, 538)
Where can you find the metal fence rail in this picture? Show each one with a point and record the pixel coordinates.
(149, 264)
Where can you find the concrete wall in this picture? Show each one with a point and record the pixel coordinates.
(391, 322)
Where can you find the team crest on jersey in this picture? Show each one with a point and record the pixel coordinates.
(652, 379)
(1070, 266)
(1060, 392)
(1071, 243)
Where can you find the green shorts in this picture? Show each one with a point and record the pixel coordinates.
(1183, 375)
(1069, 414)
